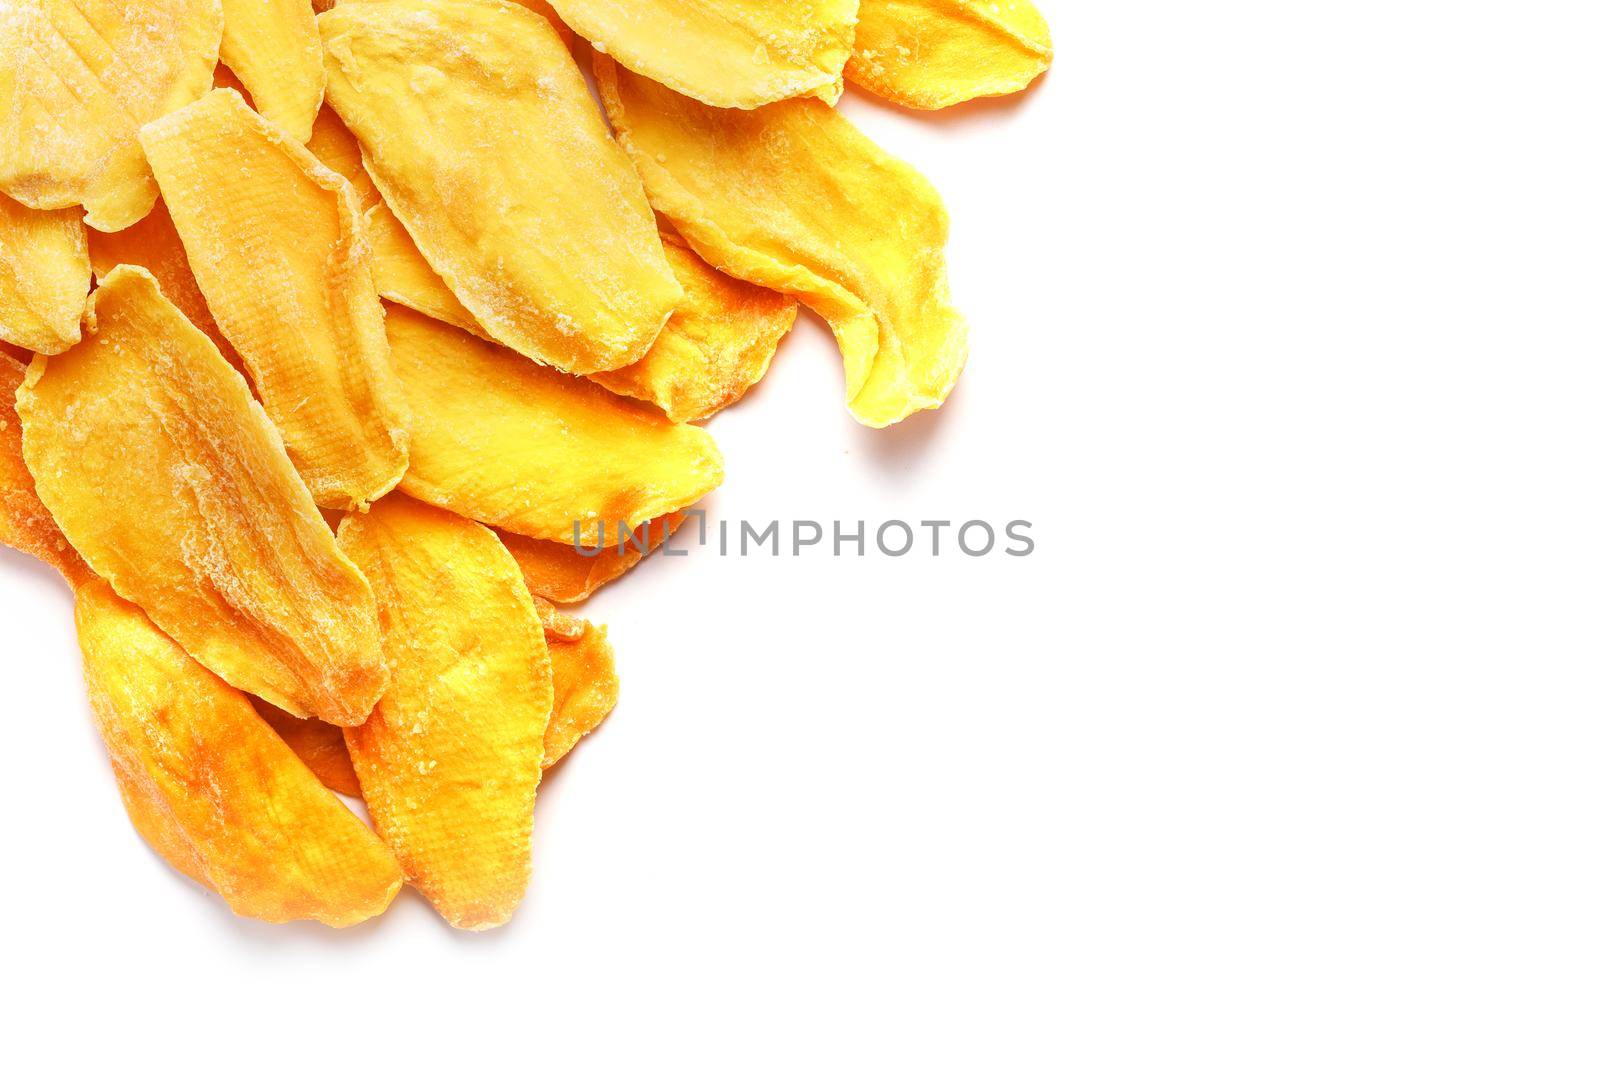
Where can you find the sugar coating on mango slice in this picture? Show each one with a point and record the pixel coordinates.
(213, 789)
(275, 243)
(450, 761)
(528, 449)
(274, 49)
(165, 474)
(44, 276)
(725, 53)
(936, 53)
(480, 132)
(77, 80)
(795, 198)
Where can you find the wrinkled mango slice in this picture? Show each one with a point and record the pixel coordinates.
(213, 789)
(795, 198)
(478, 128)
(717, 345)
(558, 572)
(505, 441)
(449, 762)
(934, 53)
(25, 524)
(274, 49)
(44, 276)
(585, 673)
(77, 80)
(319, 745)
(558, 625)
(275, 243)
(163, 472)
(726, 53)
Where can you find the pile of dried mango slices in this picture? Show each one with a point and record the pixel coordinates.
(390, 313)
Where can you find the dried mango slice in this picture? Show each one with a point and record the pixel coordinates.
(717, 345)
(450, 761)
(558, 572)
(505, 441)
(726, 53)
(214, 789)
(77, 80)
(586, 690)
(275, 243)
(478, 128)
(274, 48)
(558, 625)
(934, 53)
(795, 198)
(337, 149)
(163, 472)
(44, 276)
(25, 524)
(548, 13)
(403, 276)
(319, 745)
(153, 243)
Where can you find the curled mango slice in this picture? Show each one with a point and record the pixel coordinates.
(795, 198)
(163, 472)
(585, 673)
(934, 53)
(560, 573)
(274, 49)
(275, 243)
(213, 789)
(478, 128)
(449, 762)
(728, 53)
(44, 276)
(718, 343)
(319, 745)
(25, 524)
(77, 80)
(505, 441)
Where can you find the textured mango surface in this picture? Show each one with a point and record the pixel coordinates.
(793, 197)
(275, 242)
(163, 472)
(450, 761)
(559, 572)
(585, 673)
(479, 130)
(935, 53)
(274, 49)
(25, 524)
(717, 344)
(77, 80)
(726, 53)
(319, 745)
(44, 276)
(505, 441)
(215, 790)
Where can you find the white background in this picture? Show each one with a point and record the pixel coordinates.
(1281, 749)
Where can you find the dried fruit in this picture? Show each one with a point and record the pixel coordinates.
(25, 525)
(44, 276)
(213, 789)
(558, 625)
(479, 130)
(274, 48)
(717, 344)
(586, 690)
(319, 745)
(163, 472)
(505, 441)
(78, 79)
(561, 573)
(935, 53)
(548, 13)
(795, 198)
(733, 53)
(450, 761)
(275, 243)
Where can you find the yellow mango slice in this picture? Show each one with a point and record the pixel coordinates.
(558, 625)
(25, 524)
(274, 49)
(337, 149)
(213, 789)
(44, 276)
(319, 745)
(153, 243)
(163, 472)
(548, 13)
(726, 53)
(585, 673)
(505, 441)
(479, 130)
(77, 80)
(717, 345)
(558, 572)
(449, 762)
(934, 53)
(275, 243)
(795, 198)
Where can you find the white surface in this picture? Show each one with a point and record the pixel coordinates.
(1282, 748)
